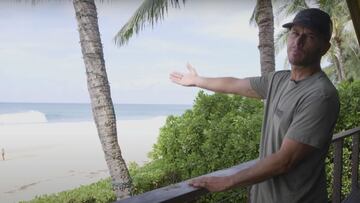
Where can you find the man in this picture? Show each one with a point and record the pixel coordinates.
(3, 154)
(302, 107)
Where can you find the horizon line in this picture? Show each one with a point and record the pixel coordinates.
(33, 102)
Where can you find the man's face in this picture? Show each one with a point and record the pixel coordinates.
(304, 46)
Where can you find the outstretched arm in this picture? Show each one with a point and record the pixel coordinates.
(221, 84)
(289, 155)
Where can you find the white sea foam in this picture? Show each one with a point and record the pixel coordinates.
(23, 117)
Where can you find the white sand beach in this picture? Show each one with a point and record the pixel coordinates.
(44, 158)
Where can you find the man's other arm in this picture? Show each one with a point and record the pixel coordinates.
(289, 155)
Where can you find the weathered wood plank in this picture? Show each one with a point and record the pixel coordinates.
(248, 191)
(345, 134)
(338, 150)
(354, 197)
(355, 163)
(182, 192)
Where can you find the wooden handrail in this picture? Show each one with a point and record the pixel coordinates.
(182, 192)
(345, 134)
(338, 140)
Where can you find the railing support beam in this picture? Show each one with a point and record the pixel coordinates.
(355, 163)
(338, 150)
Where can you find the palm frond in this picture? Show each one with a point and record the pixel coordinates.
(286, 65)
(285, 8)
(254, 16)
(290, 7)
(150, 12)
(296, 6)
(280, 44)
(280, 9)
(331, 6)
(280, 40)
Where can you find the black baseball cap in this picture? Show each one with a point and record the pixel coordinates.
(313, 18)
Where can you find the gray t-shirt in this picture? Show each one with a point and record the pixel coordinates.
(305, 111)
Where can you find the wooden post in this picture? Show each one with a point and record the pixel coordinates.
(338, 150)
(355, 163)
(248, 191)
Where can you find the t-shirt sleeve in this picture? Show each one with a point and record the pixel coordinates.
(314, 121)
(261, 84)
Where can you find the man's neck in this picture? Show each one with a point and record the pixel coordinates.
(301, 73)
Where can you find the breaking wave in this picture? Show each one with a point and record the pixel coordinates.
(23, 117)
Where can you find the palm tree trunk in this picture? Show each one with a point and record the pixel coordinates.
(339, 73)
(99, 90)
(339, 53)
(265, 21)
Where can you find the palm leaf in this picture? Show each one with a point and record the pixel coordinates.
(254, 16)
(280, 40)
(290, 7)
(150, 12)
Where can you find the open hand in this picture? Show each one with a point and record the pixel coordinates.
(187, 79)
(213, 184)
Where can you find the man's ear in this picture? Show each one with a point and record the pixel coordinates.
(325, 48)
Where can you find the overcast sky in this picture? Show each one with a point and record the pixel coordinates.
(41, 61)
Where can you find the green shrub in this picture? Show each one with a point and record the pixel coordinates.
(349, 93)
(99, 192)
(151, 175)
(219, 132)
(349, 117)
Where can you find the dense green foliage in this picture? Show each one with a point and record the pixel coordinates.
(349, 93)
(217, 133)
(220, 131)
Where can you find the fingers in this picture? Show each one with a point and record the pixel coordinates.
(190, 68)
(200, 182)
(187, 79)
(211, 183)
(179, 75)
(176, 77)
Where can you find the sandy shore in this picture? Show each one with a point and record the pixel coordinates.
(45, 158)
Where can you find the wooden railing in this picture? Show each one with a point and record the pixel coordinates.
(338, 141)
(182, 192)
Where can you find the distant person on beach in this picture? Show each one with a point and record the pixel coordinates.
(302, 107)
(3, 153)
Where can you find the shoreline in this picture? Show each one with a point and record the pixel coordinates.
(44, 158)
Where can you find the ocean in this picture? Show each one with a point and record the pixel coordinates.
(59, 147)
(13, 113)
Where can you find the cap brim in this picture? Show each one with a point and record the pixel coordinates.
(288, 25)
(302, 23)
